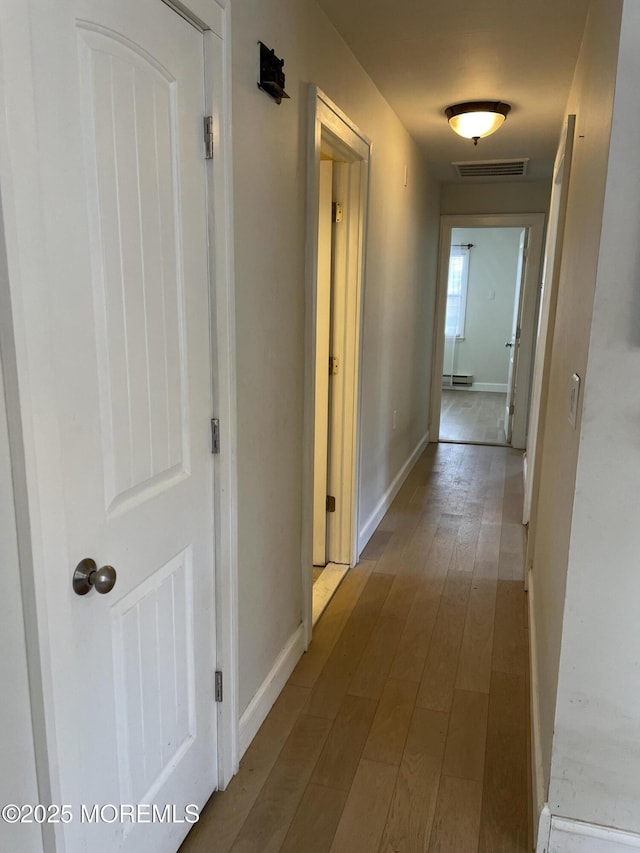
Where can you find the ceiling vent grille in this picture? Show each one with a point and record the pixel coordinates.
(492, 168)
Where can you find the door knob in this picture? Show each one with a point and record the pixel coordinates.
(88, 575)
(509, 344)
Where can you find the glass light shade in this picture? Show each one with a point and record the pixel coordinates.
(476, 119)
(476, 125)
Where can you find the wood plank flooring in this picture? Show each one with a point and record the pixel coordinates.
(404, 729)
(472, 416)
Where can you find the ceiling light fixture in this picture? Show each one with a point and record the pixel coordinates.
(476, 119)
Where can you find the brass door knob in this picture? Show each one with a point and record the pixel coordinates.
(87, 576)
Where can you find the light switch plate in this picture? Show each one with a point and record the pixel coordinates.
(574, 397)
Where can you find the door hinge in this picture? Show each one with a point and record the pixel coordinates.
(512, 409)
(336, 211)
(518, 332)
(333, 366)
(218, 686)
(215, 435)
(331, 503)
(208, 137)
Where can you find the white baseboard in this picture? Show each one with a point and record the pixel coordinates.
(574, 836)
(369, 527)
(537, 772)
(541, 830)
(257, 710)
(498, 387)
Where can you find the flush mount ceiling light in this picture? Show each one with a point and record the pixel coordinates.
(476, 119)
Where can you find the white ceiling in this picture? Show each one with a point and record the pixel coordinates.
(424, 55)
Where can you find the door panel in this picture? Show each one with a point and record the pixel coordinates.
(546, 318)
(130, 105)
(514, 343)
(323, 333)
(132, 670)
(153, 655)
(340, 477)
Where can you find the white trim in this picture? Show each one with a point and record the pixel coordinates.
(542, 830)
(325, 586)
(203, 14)
(331, 127)
(546, 321)
(575, 836)
(528, 298)
(218, 96)
(257, 710)
(386, 500)
(525, 521)
(494, 387)
(497, 387)
(345, 322)
(537, 768)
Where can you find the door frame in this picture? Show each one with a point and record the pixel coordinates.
(528, 306)
(25, 333)
(324, 305)
(330, 126)
(547, 322)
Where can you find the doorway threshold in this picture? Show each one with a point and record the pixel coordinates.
(480, 443)
(325, 586)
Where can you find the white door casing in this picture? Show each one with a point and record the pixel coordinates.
(534, 222)
(547, 317)
(113, 365)
(323, 333)
(333, 132)
(513, 344)
(343, 394)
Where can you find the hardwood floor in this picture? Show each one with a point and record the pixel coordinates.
(472, 416)
(405, 725)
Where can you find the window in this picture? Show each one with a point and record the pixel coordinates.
(457, 292)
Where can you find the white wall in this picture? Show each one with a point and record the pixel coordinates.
(503, 197)
(585, 540)
(493, 267)
(595, 771)
(17, 758)
(270, 151)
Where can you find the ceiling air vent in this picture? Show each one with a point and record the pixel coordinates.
(492, 168)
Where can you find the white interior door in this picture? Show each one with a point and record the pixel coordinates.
(125, 215)
(547, 311)
(514, 343)
(342, 423)
(323, 333)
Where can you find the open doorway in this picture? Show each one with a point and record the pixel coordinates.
(483, 297)
(331, 553)
(487, 296)
(337, 203)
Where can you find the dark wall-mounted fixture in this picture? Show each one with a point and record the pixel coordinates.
(271, 74)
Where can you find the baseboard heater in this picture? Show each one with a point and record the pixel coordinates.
(458, 380)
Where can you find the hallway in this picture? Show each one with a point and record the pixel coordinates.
(405, 726)
(472, 416)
